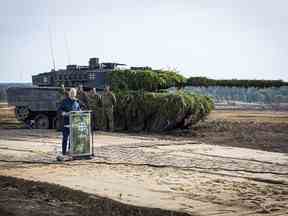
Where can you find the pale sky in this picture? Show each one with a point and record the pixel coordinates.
(214, 38)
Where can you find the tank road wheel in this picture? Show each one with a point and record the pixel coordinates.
(22, 113)
(41, 121)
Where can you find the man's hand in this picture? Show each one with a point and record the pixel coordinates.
(65, 113)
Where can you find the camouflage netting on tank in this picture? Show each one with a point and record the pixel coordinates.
(148, 111)
(148, 80)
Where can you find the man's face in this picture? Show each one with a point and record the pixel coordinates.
(93, 91)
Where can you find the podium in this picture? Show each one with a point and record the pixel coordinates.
(81, 135)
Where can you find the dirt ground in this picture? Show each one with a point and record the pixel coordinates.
(264, 130)
(22, 197)
(209, 170)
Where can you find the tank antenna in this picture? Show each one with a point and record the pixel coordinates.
(67, 48)
(51, 47)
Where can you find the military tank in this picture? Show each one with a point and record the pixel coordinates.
(143, 101)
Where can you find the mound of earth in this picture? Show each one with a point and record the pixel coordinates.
(29, 198)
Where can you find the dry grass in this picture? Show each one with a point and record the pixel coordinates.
(7, 117)
(3, 105)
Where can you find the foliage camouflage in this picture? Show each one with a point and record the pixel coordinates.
(150, 111)
(153, 80)
(203, 81)
(143, 105)
(148, 80)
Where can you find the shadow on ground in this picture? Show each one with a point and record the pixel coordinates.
(29, 198)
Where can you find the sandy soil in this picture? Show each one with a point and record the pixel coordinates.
(180, 173)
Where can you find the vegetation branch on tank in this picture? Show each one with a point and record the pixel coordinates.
(206, 82)
(153, 80)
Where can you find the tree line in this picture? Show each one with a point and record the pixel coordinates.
(249, 95)
(3, 96)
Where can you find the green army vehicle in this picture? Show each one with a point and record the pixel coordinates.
(143, 101)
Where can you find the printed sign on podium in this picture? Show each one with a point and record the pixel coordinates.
(80, 134)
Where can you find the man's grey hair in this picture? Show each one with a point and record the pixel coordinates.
(72, 93)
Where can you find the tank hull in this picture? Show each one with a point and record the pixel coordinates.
(35, 105)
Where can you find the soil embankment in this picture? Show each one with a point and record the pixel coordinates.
(263, 130)
(30, 198)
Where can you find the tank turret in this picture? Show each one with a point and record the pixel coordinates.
(91, 76)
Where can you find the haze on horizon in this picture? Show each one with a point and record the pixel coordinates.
(220, 39)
